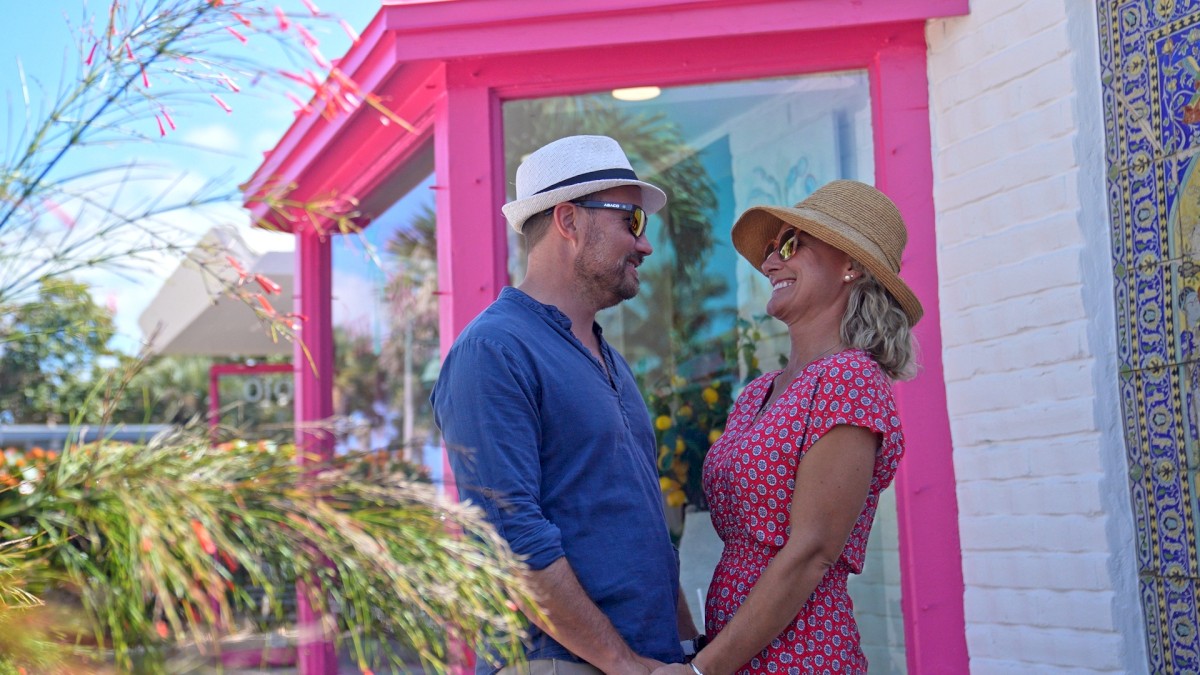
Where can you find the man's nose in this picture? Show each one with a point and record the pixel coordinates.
(643, 245)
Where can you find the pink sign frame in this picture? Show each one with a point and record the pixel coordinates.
(218, 370)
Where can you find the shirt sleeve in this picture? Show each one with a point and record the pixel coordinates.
(852, 391)
(485, 404)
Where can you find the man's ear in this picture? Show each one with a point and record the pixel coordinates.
(564, 221)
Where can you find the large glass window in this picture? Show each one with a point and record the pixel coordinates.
(696, 333)
(386, 322)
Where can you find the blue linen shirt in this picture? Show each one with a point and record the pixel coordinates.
(562, 460)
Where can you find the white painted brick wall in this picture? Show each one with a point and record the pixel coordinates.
(1029, 340)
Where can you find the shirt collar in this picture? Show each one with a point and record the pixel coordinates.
(548, 312)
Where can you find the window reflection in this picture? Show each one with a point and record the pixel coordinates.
(696, 332)
(385, 317)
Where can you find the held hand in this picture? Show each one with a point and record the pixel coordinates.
(650, 664)
(638, 665)
(674, 669)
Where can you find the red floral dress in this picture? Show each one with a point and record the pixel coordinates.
(749, 477)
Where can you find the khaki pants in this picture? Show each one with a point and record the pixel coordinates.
(549, 667)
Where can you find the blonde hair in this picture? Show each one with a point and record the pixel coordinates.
(875, 323)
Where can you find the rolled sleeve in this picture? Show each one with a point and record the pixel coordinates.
(486, 408)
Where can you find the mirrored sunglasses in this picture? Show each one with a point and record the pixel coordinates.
(637, 217)
(785, 245)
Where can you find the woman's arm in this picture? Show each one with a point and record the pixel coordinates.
(832, 482)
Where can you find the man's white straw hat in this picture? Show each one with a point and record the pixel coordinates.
(570, 168)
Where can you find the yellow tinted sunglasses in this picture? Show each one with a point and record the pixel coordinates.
(637, 217)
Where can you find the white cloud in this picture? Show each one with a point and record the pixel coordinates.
(265, 140)
(215, 137)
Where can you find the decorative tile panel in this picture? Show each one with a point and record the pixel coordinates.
(1150, 70)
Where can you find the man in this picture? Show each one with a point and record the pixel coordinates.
(547, 430)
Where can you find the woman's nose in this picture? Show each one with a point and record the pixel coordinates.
(770, 263)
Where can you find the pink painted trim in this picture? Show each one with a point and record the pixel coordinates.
(247, 369)
(287, 159)
(472, 236)
(215, 372)
(483, 28)
(214, 403)
(711, 60)
(331, 153)
(313, 358)
(931, 577)
(313, 367)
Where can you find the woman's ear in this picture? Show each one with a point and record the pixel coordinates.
(851, 271)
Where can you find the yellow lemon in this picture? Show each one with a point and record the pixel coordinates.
(714, 436)
(676, 498)
(662, 423)
(685, 411)
(679, 446)
(709, 395)
(680, 469)
(667, 484)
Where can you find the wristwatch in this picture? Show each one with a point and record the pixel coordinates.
(693, 647)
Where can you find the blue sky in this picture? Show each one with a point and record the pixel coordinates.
(209, 144)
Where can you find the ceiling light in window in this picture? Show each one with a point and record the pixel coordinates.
(636, 93)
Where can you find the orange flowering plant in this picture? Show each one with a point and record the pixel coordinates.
(20, 467)
(174, 548)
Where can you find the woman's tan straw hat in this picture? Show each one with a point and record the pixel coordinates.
(848, 215)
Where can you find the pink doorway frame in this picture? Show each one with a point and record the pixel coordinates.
(448, 66)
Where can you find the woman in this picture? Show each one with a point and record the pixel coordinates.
(794, 481)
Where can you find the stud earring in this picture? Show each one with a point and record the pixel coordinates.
(849, 277)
